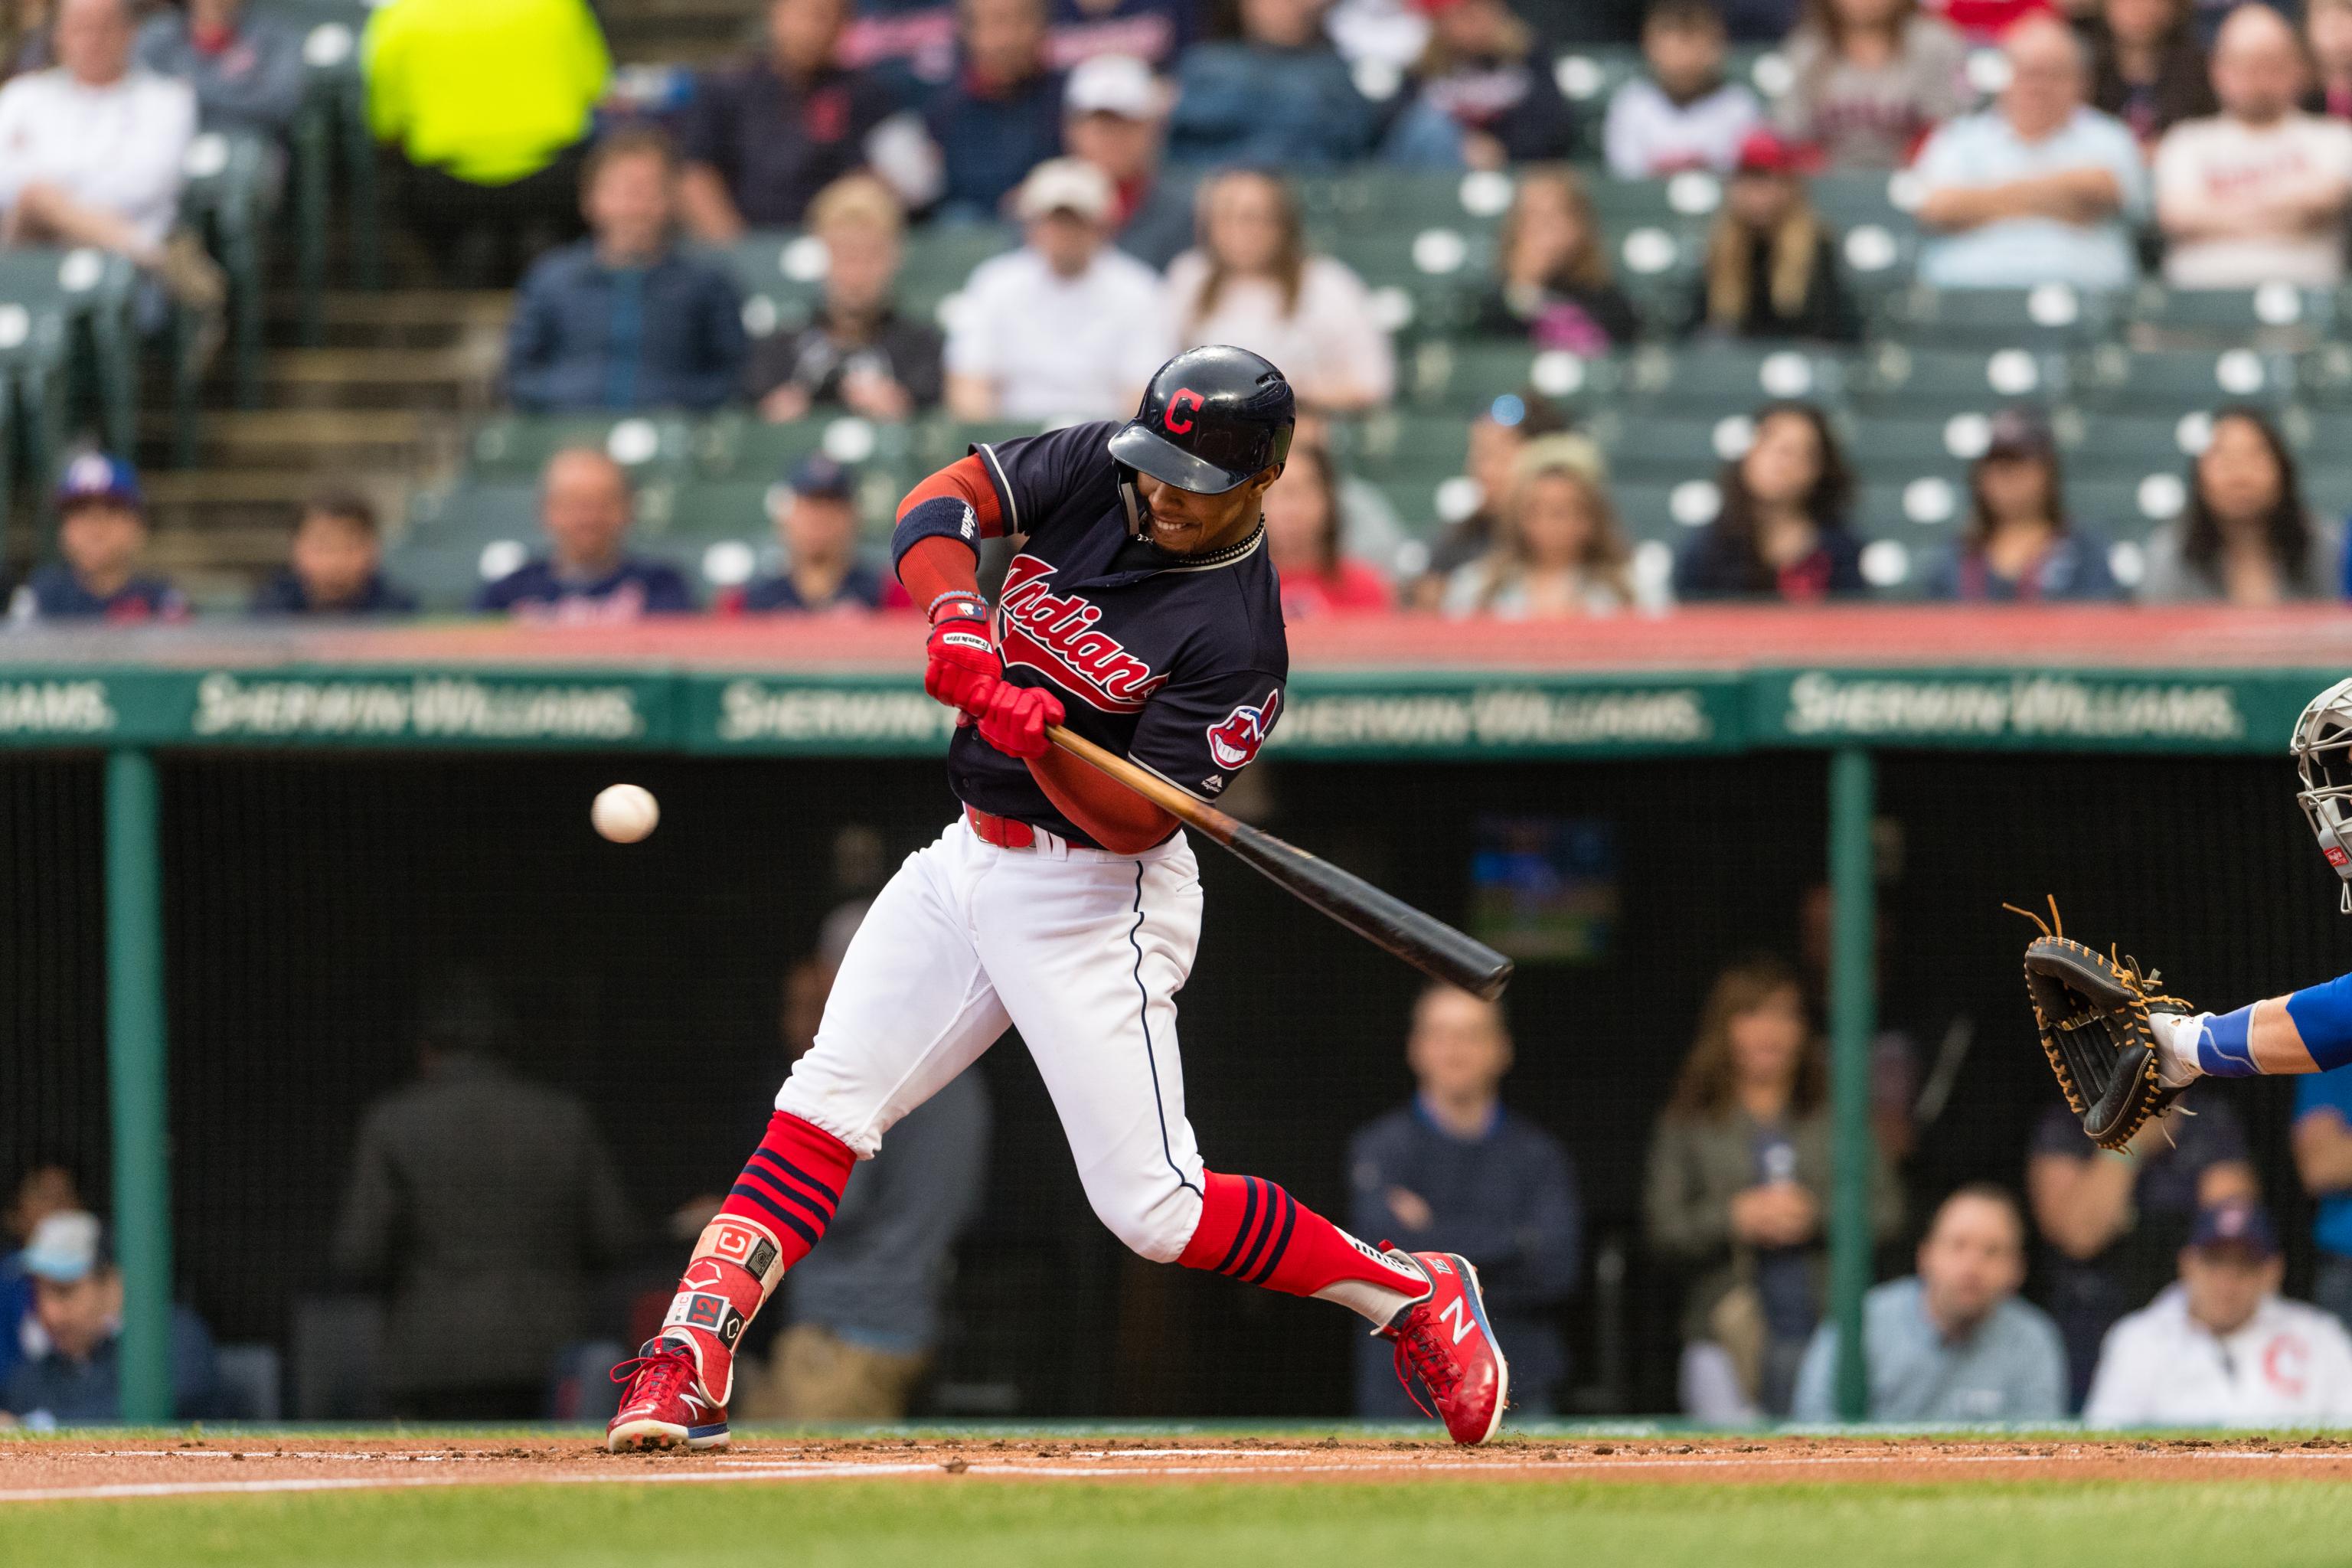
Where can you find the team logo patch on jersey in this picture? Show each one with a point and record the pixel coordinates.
(1235, 739)
(1056, 635)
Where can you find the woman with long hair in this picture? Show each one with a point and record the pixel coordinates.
(2245, 536)
(1869, 78)
(1558, 549)
(1302, 539)
(1780, 532)
(1738, 1174)
(1251, 281)
(1771, 263)
(2018, 543)
(1552, 285)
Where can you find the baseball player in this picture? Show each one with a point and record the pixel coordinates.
(1141, 611)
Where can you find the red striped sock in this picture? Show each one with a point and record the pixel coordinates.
(1253, 1231)
(792, 1184)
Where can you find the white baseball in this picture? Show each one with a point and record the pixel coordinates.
(624, 813)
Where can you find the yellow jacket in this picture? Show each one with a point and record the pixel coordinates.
(488, 91)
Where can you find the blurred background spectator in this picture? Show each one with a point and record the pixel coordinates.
(1252, 282)
(1683, 114)
(858, 352)
(1481, 72)
(2037, 189)
(335, 564)
(1454, 1171)
(488, 103)
(1553, 284)
(1952, 1344)
(1490, 461)
(2221, 1348)
(71, 1377)
(2018, 543)
(1738, 1169)
(1001, 115)
(43, 1189)
(1780, 532)
(2111, 1223)
(2245, 537)
(816, 524)
(2147, 67)
(101, 535)
(588, 574)
(1152, 31)
(625, 318)
(1065, 326)
(415, 1222)
(246, 68)
(2257, 193)
(1557, 550)
(1278, 97)
(1303, 540)
(1869, 80)
(1115, 116)
(2323, 1160)
(1771, 266)
(2327, 30)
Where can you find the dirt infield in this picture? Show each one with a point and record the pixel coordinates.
(67, 1469)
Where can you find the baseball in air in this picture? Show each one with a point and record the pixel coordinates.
(624, 813)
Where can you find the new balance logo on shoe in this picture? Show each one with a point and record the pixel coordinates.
(1455, 1315)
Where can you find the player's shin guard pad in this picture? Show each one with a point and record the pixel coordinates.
(1254, 1231)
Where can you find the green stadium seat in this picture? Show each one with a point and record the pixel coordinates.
(1668, 511)
(1919, 511)
(459, 537)
(2114, 445)
(678, 520)
(1676, 200)
(1714, 379)
(1376, 202)
(1848, 200)
(2127, 509)
(1668, 447)
(940, 257)
(517, 445)
(2175, 380)
(738, 447)
(1465, 375)
(227, 198)
(94, 358)
(2226, 318)
(938, 442)
(781, 273)
(1894, 448)
(1588, 76)
(1895, 379)
(2050, 316)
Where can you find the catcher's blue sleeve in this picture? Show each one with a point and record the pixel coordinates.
(2322, 1015)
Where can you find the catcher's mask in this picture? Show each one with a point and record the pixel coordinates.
(2322, 749)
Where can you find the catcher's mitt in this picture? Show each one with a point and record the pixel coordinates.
(2091, 1010)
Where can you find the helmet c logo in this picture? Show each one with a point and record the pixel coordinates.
(1176, 403)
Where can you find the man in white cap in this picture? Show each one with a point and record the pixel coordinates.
(1065, 327)
(1115, 116)
(73, 1378)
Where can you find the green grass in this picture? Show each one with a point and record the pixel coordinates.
(1134, 1524)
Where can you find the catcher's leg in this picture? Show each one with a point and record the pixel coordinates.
(911, 1008)
(2306, 1031)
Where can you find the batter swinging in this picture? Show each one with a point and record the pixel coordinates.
(1142, 612)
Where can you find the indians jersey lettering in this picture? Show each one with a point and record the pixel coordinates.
(1175, 662)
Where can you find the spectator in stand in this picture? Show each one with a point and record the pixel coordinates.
(1001, 116)
(1952, 1343)
(1988, 21)
(28, 37)
(625, 318)
(1869, 80)
(416, 1221)
(91, 150)
(1559, 552)
(1782, 531)
(1501, 433)
(1553, 284)
(1155, 32)
(2245, 537)
(490, 103)
(1454, 1171)
(1771, 263)
(1065, 326)
(1302, 540)
(2039, 188)
(1251, 282)
(248, 69)
(763, 136)
(588, 576)
(2323, 1159)
(857, 352)
(101, 533)
(2111, 1223)
(2327, 29)
(335, 566)
(2222, 1347)
(1115, 116)
(2018, 546)
(1683, 115)
(1738, 1171)
(75, 1378)
(43, 1190)
(1481, 70)
(2147, 69)
(2258, 193)
(823, 570)
(1278, 97)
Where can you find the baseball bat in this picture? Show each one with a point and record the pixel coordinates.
(1429, 944)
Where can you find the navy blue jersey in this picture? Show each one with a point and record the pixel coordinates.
(55, 593)
(1175, 662)
(637, 586)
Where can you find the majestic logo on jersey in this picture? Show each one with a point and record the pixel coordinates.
(1235, 739)
(1176, 404)
(1055, 634)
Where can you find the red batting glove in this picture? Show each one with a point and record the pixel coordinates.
(1016, 720)
(961, 668)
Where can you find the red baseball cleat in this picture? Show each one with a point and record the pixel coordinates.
(667, 1405)
(1444, 1338)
